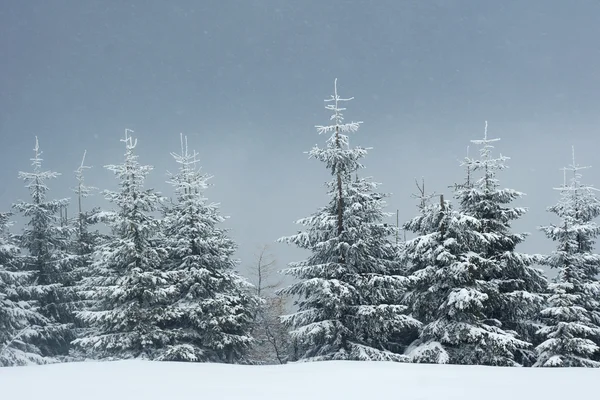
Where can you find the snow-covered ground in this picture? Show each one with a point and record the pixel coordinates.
(139, 380)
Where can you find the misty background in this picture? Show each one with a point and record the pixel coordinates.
(246, 80)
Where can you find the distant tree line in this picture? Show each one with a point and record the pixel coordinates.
(159, 282)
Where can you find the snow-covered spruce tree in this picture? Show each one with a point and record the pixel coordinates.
(210, 312)
(19, 320)
(572, 317)
(127, 285)
(46, 240)
(516, 302)
(348, 301)
(83, 242)
(448, 292)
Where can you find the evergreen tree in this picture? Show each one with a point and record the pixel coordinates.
(209, 315)
(517, 299)
(449, 293)
(84, 241)
(127, 285)
(19, 320)
(46, 240)
(349, 301)
(572, 316)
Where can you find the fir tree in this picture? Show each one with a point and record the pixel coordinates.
(127, 284)
(572, 317)
(20, 323)
(209, 317)
(46, 240)
(348, 300)
(517, 299)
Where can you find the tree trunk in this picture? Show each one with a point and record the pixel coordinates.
(340, 210)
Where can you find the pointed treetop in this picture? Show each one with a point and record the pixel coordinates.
(574, 166)
(130, 143)
(337, 116)
(423, 197)
(485, 162)
(81, 189)
(36, 161)
(36, 179)
(485, 143)
(466, 162)
(485, 131)
(336, 99)
(185, 158)
(183, 139)
(575, 182)
(189, 179)
(82, 167)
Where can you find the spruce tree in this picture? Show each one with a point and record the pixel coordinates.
(47, 260)
(349, 303)
(85, 239)
(83, 243)
(572, 316)
(20, 323)
(516, 300)
(209, 313)
(127, 285)
(449, 293)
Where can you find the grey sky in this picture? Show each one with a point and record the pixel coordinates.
(246, 81)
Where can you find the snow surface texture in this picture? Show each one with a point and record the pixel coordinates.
(133, 380)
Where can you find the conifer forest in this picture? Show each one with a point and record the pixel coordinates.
(154, 276)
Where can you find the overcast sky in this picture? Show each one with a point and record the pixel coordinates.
(246, 80)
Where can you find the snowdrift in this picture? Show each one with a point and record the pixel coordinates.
(139, 380)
